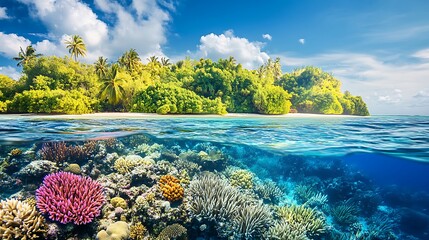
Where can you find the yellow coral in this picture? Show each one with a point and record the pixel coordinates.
(184, 177)
(118, 202)
(73, 168)
(137, 231)
(123, 165)
(16, 152)
(30, 201)
(170, 187)
(20, 220)
(308, 220)
(242, 178)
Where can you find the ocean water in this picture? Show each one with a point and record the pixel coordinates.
(373, 171)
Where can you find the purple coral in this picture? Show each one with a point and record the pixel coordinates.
(67, 197)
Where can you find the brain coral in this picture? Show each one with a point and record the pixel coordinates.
(170, 187)
(19, 220)
(67, 197)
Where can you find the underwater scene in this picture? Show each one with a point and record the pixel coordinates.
(214, 177)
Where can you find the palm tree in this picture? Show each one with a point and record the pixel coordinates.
(165, 62)
(24, 57)
(153, 59)
(76, 46)
(112, 86)
(129, 60)
(101, 67)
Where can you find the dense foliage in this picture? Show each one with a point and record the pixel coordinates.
(51, 84)
(170, 98)
(315, 91)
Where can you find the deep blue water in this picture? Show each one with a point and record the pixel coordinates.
(388, 154)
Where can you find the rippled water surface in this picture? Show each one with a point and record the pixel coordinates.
(402, 136)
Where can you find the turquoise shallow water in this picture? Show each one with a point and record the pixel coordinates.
(401, 136)
(379, 165)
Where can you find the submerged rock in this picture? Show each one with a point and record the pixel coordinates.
(36, 170)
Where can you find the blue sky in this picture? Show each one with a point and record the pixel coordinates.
(378, 49)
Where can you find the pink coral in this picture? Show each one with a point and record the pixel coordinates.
(67, 197)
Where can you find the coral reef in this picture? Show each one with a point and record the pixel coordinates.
(283, 230)
(15, 152)
(67, 197)
(269, 191)
(118, 202)
(171, 188)
(344, 213)
(115, 231)
(73, 168)
(252, 221)
(19, 220)
(304, 219)
(124, 166)
(137, 231)
(174, 231)
(241, 178)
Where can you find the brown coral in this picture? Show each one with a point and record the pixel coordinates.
(170, 187)
(20, 220)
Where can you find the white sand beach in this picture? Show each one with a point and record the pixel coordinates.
(129, 115)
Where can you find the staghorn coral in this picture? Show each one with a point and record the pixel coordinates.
(67, 197)
(242, 178)
(172, 231)
(300, 217)
(214, 198)
(118, 202)
(20, 220)
(170, 187)
(344, 213)
(283, 230)
(269, 191)
(137, 231)
(252, 221)
(115, 231)
(60, 152)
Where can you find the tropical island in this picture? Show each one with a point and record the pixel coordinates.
(63, 85)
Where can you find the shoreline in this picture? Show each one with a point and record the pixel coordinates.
(131, 115)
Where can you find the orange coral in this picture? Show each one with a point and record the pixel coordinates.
(170, 187)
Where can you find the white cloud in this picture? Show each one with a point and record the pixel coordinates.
(424, 53)
(380, 83)
(10, 44)
(3, 14)
(422, 98)
(10, 71)
(301, 40)
(267, 36)
(249, 54)
(140, 25)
